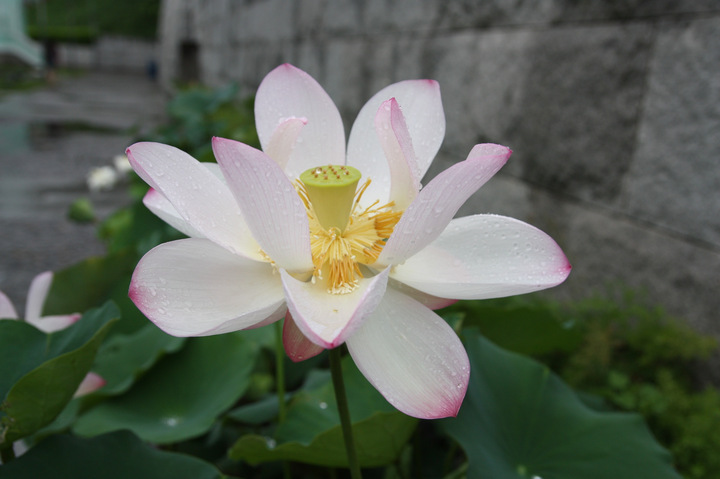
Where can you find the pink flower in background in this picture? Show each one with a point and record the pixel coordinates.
(48, 324)
(33, 307)
(278, 233)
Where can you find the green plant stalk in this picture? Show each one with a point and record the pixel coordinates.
(280, 384)
(7, 454)
(280, 371)
(345, 422)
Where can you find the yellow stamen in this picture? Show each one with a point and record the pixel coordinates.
(338, 253)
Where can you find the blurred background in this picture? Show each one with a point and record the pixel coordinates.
(612, 109)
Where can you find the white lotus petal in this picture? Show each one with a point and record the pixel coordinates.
(288, 92)
(427, 300)
(297, 346)
(269, 202)
(192, 287)
(198, 196)
(37, 294)
(163, 209)
(397, 146)
(421, 106)
(50, 324)
(486, 256)
(328, 319)
(412, 357)
(7, 310)
(438, 202)
(283, 140)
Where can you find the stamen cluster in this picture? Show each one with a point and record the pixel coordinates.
(338, 253)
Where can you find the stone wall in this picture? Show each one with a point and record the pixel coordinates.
(612, 109)
(109, 53)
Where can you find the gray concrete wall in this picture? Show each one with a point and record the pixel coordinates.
(109, 53)
(612, 109)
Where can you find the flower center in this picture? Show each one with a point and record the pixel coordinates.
(343, 235)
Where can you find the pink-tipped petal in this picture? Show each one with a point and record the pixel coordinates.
(422, 108)
(297, 346)
(37, 293)
(283, 140)
(196, 193)
(91, 383)
(486, 256)
(7, 310)
(438, 202)
(269, 202)
(288, 92)
(398, 148)
(163, 209)
(50, 324)
(329, 319)
(192, 287)
(412, 357)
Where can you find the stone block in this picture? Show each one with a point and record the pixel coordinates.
(454, 14)
(481, 76)
(581, 101)
(674, 178)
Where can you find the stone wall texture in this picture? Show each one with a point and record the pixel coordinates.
(110, 53)
(612, 109)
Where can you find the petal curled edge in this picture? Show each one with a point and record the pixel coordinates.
(7, 310)
(199, 197)
(486, 256)
(427, 300)
(297, 346)
(288, 92)
(283, 140)
(193, 287)
(422, 109)
(39, 288)
(397, 146)
(163, 209)
(413, 357)
(329, 319)
(437, 203)
(269, 202)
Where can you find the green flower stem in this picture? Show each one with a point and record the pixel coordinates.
(7, 454)
(341, 398)
(280, 371)
(280, 383)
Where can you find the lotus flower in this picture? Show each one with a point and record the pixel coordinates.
(37, 294)
(292, 231)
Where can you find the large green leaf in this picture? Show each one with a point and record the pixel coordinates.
(526, 329)
(182, 395)
(311, 432)
(87, 284)
(125, 357)
(519, 420)
(39, 373)
(118, 455)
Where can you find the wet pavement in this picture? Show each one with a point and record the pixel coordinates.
(50, 138)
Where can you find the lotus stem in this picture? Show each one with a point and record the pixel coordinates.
(342, 403)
